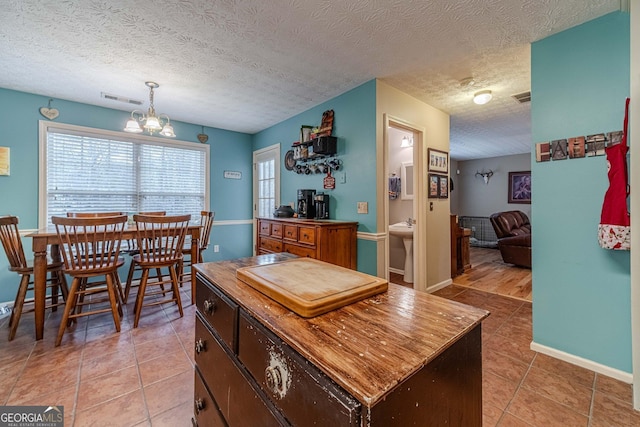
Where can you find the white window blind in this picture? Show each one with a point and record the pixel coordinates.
(88, 170)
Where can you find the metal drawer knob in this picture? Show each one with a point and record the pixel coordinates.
(199, 405)
(209, 306)
(200, 346)
(273, 378)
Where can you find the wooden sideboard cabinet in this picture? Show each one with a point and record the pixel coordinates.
(327, 240)
(460, 258)
(395, 359)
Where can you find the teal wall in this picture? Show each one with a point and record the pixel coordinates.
(19, 116)
(581, 293)
(354, 125)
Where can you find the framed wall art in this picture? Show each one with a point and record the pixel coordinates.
(443, 187)
(434, 186)
(520, 187)
(5, 161)
(438, 161)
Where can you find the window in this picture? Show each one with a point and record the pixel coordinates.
(266, 185)
(88, 170)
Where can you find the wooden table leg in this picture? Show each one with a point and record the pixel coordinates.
(39, 283)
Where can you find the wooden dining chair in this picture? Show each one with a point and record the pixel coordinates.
(206, 222)
(101, 214)
(133, 250)
(160, 240)
(56, 282)
(90, 248)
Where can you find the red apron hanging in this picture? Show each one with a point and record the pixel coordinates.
(614, 231)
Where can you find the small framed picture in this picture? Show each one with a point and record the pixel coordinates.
(438, 161)
(5, 161)
(520, 187)
(434, 186)
(443, 187)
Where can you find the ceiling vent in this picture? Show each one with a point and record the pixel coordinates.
(522, 97)
(120, 99)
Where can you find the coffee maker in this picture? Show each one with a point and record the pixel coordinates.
(306, 200)
(322, 206)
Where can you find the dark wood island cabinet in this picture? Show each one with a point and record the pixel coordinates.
(398, 358)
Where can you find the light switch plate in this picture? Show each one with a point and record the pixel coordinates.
(363, 207)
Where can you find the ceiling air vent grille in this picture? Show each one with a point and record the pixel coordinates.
(522, 97)
(120, 99)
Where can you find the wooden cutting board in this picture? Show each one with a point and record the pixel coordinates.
(310, 287)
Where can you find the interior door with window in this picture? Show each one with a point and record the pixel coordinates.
(266, 184)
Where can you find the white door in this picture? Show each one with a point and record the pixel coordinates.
(266, 183)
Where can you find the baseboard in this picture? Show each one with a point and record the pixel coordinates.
(396, 271)
(623, 376)
(438, 286)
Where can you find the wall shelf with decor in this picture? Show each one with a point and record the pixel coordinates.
(318, 155)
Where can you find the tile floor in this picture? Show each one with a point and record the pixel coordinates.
(144, 376)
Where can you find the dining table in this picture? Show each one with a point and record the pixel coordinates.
(46, 238)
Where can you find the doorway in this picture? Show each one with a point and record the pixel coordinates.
(403, 151)
(266, 183)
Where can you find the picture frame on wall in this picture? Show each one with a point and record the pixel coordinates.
(434, 186)
(5, 161)
(520, 187)
(443, 187)
(438, 161)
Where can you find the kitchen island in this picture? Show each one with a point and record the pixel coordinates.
(398, 358)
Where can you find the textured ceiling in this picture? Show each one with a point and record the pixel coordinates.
(245, 65)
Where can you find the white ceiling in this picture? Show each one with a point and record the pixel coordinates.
(245, 65)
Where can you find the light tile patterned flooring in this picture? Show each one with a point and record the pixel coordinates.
(144, 376)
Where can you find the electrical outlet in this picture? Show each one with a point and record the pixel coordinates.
(473, 228)
(216, 248)
(363, 207)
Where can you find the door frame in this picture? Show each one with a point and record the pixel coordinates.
(277, 153)
(419, 198)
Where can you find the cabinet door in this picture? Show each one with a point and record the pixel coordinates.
(206, 411)
(239, 403)
(304, 395)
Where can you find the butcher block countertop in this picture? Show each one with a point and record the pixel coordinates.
(367, 347)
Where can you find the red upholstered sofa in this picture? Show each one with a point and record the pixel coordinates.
(513, 230)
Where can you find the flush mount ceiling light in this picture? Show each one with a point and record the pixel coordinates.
(150, 121)
(406, 142)
(482, 97)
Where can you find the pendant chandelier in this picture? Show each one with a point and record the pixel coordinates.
(150, 121)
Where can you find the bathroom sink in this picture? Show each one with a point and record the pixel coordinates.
(401, 229)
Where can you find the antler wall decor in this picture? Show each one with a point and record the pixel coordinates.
(485, 175)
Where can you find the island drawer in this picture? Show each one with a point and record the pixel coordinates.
(206, 411)
(270, 245)
(304, 395)
(218, 311)
(238, 401)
